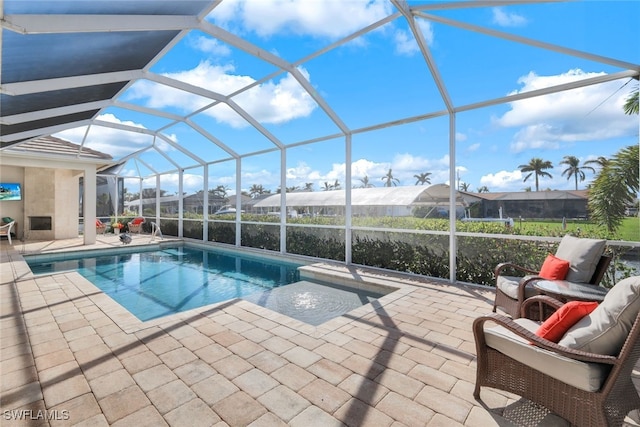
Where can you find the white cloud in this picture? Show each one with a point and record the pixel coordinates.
(210, 45)
(405, 42)
(505, 19)
(583, 114)
(330, 19)
(272, 102)
(111, 141)
(503, 181)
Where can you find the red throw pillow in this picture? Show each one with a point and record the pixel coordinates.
(564, 318)
(554, 268)
(137, 221)
(98, 223)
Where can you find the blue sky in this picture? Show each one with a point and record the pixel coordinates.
(382, 77)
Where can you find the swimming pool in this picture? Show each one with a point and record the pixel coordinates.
(159, 282)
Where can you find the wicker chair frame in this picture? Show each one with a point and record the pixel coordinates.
(136, 228)
(605, 407)
(513, 306)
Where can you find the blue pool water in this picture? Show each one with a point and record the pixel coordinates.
(162, 282)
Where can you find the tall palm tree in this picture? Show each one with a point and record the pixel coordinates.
(308, 186)
(256, 190)
(483, 189)
(423, 178)
(365, 183)
(327, 186)
(389, 180)
(574, 169)
(336, 185)
(464, 186)
(536, 167)
(615, 187)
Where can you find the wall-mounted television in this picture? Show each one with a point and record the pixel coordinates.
(10, 191)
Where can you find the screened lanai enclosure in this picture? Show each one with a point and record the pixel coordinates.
(265, 124)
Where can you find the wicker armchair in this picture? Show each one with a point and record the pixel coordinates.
(135, 226)
(5, 230)
(571, 379)
(101, 227)
(588, 265)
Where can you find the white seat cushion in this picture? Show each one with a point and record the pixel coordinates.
(509, 285)
(583, 375)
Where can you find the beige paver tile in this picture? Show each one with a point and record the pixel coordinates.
(444, 403)
(239, 409)
(26, 415)
(194, 413)
(364, 389)
(194, 371)
(140, 362)
(123, 403)
(44, 348)
(440, 420)
(314, 417)
(84, 343)
(196, 341)
(268, 420)
(333, 352)
(64, 389)
(111, 383)
(301, 356)
(170, 396)
(267, 361)
(400, 383)
(284, 402)
(278, 345)
(75, 334)
(22, 395)
(17, 363)
(246, 348)
(433, 377)
(255, 383)
(232, 366)
(145, 417)
(19, 378)
(405, 410)
(227, 338)
(324, 395)
(257, 335)
(95, 421)
(177, 357)
(212, 353)
(329, 371)
(70, 325)
(357, 413)
(75, 411)
(214, 389)
(293, 376)
(55, 358)
(154, 377)
(363, 366)
(163, 344)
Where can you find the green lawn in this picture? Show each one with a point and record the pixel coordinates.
(629, 229)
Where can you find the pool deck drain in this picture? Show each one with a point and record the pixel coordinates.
(407, 359)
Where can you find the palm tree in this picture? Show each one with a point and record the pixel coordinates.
(256, 190)
(365, 183)
(327, 186)
(389, 180)
(308, 186)
(631, 103)
(336, 185)
(483, 189)
(600, 162)
(464, 186)
(615, 187)
(536, 167)
(574, 169)
(423, 178)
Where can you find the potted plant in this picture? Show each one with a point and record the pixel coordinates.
(117, 226)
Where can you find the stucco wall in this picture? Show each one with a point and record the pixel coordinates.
(45, 192)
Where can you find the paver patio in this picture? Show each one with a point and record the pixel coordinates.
(72, 356)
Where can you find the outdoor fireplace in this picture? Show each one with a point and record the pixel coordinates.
(39, 223)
